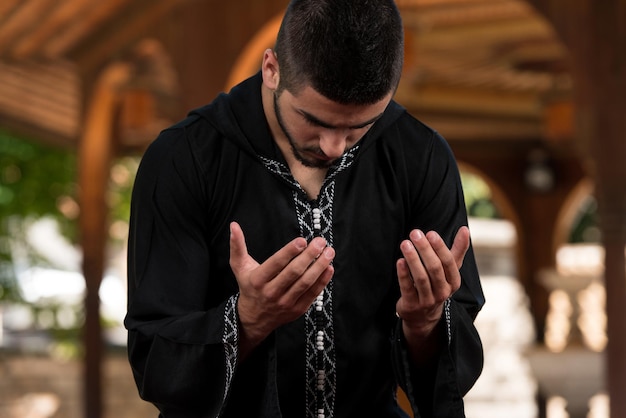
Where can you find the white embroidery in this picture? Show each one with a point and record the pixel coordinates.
(446, 308)
(230, 339)
(316, 219)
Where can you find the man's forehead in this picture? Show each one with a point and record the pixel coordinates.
(317, 108)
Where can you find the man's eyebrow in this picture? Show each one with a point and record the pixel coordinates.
(312, 119)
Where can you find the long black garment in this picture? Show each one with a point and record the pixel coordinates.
(345, 356)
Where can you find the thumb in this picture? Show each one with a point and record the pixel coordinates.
(238, 250)
(460, 245)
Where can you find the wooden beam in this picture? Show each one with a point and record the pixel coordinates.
(465, 14)
(480, 130)
(441, 3)
(93, 17)
(63, 16)
(471, 101)
(6, 7)
(22, 21)
(116, 35)
(501, 31)
(42, 95)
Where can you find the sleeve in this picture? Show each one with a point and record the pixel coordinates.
(437, 391)
(182, 332)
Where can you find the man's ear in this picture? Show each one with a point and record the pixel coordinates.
(270, 70)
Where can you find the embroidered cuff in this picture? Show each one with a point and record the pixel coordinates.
(230, 339)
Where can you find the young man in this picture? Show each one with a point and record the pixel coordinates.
(298, 247)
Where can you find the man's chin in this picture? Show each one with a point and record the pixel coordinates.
(314, 162)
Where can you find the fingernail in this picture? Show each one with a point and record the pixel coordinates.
(329, 253)
(319, 243)
(300, 244)
(417, 235)
(433, 237)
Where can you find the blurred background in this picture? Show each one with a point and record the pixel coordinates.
(530, 95)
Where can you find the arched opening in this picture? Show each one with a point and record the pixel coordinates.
(506, 386)
(575, 332)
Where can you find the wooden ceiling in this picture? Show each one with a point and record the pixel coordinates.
(474, 68)
(481, 68)
(45, 46)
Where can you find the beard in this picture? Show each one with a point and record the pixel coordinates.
(298, 152)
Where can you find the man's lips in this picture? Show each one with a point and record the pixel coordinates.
(318, 156)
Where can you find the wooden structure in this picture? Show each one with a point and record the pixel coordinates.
(530, 94)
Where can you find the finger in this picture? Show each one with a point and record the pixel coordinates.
(304, 269)
(449, 267)
(417, 268)
(405, 281)
(302, 283)
(306, 298)
(238, 250)
(274, 265)
(460, 245)
(241, 260)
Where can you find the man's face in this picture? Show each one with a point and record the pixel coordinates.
(319, 130)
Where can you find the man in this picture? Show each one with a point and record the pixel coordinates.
(297, 247)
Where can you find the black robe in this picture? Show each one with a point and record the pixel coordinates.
(221, 164)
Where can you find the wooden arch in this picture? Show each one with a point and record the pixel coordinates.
(249, 61)
(95, 155)
(145, 80)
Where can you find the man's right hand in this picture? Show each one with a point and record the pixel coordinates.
(281, 289)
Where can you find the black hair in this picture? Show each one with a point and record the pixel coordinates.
(350, 51)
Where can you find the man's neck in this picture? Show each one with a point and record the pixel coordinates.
(309, 178)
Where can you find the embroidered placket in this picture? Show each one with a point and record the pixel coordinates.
(315, 219)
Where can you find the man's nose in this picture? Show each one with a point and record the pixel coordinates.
(333, 142)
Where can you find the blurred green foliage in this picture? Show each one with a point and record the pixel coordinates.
(34, 177)
(39, 181)
(480, 204)
(35, 181)
(586, 228)
(478, 197)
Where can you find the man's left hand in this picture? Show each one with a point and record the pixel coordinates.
(428, 275)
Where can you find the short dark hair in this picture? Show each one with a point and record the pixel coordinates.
(350, 51)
